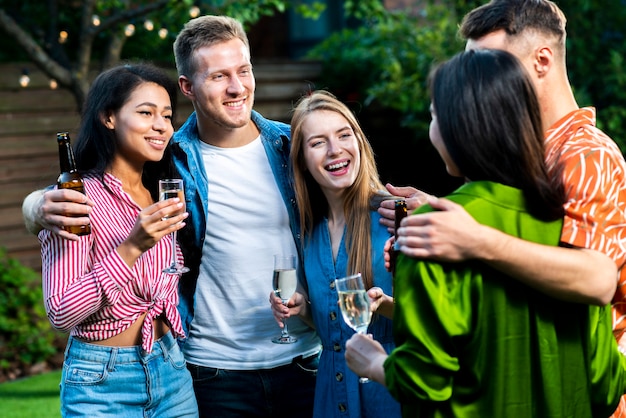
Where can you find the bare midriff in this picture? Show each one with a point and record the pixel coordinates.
(132, 335)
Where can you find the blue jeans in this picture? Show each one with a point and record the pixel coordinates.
(285, 391)
(100, 381)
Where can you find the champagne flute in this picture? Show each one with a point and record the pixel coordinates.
(355, 305)
(284, 282)
(170, 188)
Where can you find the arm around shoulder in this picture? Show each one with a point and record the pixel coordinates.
(577, 275)
(30, 206)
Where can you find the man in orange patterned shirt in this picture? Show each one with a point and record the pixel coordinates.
(592, 254)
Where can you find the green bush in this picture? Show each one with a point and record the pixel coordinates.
(596, 49)
(26, 336)
(386, 62)
(381, 70)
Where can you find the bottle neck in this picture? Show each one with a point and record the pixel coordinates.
(66, 157)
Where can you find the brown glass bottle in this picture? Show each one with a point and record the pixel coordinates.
(69, 177)
(400, 213)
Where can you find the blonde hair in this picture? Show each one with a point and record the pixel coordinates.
(204, 31)
(360, 197)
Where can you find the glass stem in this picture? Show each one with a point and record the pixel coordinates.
(284, 332)
(174, 249)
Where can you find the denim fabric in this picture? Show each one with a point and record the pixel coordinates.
(187, 158)
(100, 381)
(338, 393)
(285, 391)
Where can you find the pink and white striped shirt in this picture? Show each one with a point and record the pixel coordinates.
(90, 291)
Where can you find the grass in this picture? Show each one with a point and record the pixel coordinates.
(36, 396)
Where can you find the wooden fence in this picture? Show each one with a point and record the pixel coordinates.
(31, 116)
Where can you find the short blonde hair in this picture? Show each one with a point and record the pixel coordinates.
(204, 31)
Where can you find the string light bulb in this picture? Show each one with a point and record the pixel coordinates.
(24, 78)
(129, 30)
(95, 20)
(63, 36)
(148, 25)
(194, 11)
(53, 84)
(162, 33)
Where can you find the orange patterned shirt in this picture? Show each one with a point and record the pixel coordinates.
(595, 213)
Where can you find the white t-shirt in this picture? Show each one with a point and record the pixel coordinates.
(247, 223)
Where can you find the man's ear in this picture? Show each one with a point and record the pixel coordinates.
(186, 87)
(543, 61)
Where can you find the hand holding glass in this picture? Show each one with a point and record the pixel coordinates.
(285, 282)
(355, 305)
(168, 189)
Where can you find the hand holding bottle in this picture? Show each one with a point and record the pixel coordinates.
(53, 209)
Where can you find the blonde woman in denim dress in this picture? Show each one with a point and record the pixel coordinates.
(338, 191)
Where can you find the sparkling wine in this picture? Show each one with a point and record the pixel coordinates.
(170, 194)
(170, 188)
(355, 308)
(285, 283)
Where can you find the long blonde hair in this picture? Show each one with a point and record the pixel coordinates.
(359, 198)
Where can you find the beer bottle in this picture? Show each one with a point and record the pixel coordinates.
(69, 177)
(400, 213)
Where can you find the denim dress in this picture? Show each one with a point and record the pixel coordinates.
(338, 392)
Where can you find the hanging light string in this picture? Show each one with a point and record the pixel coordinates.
(129, 30)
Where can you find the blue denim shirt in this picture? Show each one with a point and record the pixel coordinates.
(338, 392)
(187, 158)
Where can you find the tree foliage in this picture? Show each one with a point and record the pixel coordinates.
(97, 31)
(386, 62)
(596, 49)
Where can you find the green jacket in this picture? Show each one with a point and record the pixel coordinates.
(474, 342)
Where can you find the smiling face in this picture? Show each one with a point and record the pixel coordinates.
(331, 151)
(143, 125)
(222, 87)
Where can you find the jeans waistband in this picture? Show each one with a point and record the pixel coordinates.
(100, 353)
(300, 359)
(296, 360)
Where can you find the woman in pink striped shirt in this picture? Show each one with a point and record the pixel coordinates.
(107, 288)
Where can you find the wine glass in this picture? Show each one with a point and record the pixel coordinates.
(284, 282)
(170, 188)
(354, 304)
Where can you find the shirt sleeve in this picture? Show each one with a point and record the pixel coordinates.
(430, 314)
(595, 215)
(73, 286)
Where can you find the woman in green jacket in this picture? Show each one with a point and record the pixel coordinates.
(471, 341)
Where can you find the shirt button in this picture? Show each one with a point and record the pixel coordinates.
(332, 284)
(333, 316)
(337, 347)
(339, 377)
(342, 407)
